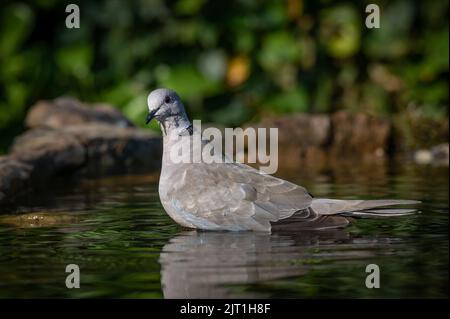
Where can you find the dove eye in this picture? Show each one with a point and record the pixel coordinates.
(167, 99)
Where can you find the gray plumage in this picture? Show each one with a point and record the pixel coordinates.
(234, 196)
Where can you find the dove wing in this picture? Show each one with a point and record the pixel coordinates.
(235, 196)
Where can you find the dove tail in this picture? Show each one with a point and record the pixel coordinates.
(362, 208)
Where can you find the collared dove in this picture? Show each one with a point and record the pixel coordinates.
(236, 197)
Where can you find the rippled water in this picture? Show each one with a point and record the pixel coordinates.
(126, 246)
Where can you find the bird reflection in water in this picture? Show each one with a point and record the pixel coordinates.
(202, 264)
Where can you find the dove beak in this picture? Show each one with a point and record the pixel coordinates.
(151, 115)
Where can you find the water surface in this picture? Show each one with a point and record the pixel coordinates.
(126, 246)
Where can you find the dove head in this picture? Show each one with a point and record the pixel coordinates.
(166, 107)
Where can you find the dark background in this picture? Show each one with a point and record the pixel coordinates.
(231, 61)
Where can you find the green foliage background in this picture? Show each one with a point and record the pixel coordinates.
(231, 61)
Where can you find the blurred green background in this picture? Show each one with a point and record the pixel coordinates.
(231, 61)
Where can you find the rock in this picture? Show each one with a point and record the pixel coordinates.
(302, 130)
(68, 134)
(95, 149)
(69, 111)
(359, 135)
(316, 141)
(39, 219)
(70, 139)
(437, 155)
(112, 150)
(441, 154)
(423, 156)
(415, 130)
(49, 152)
(14, 179)
(302, 138)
